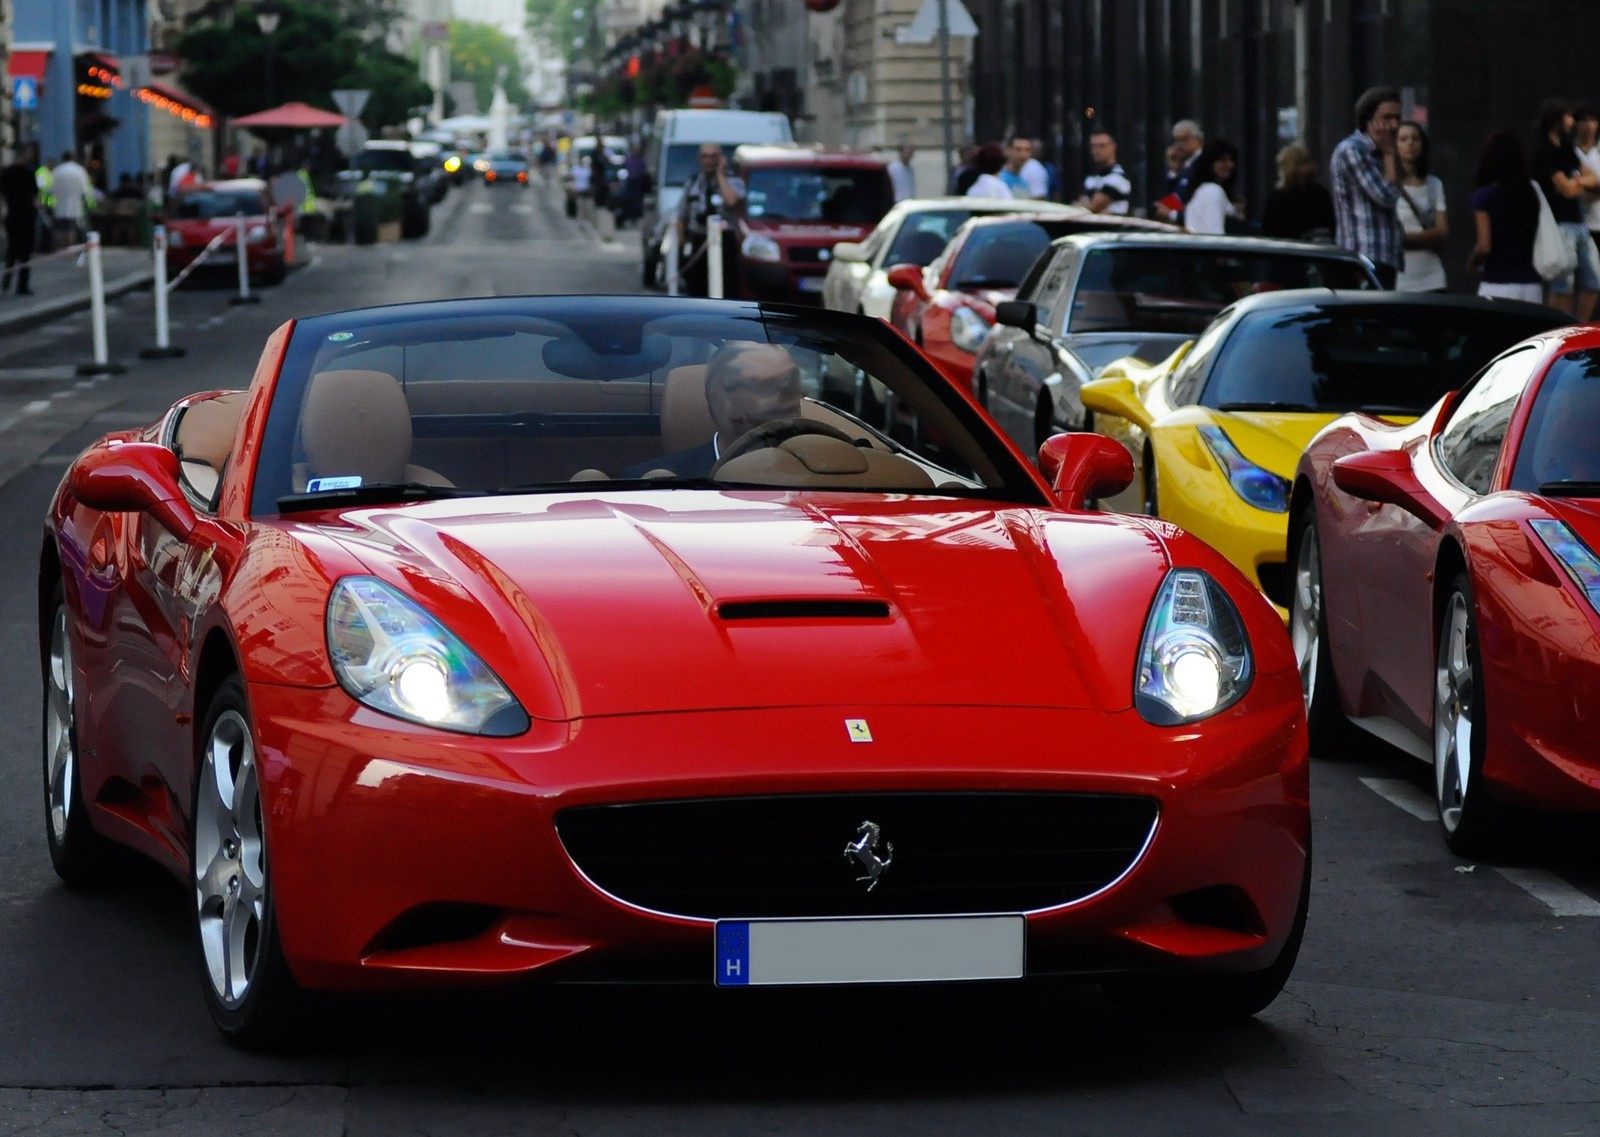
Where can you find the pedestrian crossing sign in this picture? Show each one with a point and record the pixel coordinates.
(25, 93)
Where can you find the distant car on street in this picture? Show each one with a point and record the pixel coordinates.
(505, 167)
(201, 212)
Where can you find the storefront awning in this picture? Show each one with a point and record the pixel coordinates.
(29, 64)
(178, 103)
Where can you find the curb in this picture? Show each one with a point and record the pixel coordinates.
(42, 311)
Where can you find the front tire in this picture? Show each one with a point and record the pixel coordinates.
(253, 999)
(1308, 633)
(1151, 498)
(77, 852)
(1471, 818)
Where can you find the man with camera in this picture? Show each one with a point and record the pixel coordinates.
(712, 191)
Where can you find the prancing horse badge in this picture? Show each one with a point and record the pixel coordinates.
(858, 729)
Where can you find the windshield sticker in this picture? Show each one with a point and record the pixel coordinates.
(340, 337)
(319, 485)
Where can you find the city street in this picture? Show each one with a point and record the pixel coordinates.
(1433, 995)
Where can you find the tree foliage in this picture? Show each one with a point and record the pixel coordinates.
(560, 22)
(478, 53)
(314, 52)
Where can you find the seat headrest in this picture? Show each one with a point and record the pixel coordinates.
(356, 423)
(685, 417)
(205, 432)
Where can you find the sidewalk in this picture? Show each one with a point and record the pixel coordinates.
(60, 285)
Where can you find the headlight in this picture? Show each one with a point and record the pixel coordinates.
(1261, 488)
(175, 239)
(968, 329)
(393, 656)
(256, 234)
(757, 247)
(1576, 557)
(1195, 658)
(452, 164)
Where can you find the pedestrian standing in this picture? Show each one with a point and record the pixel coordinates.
(70, 185)
(1034, 175)
(1187, 142)
(1300, 208)
(1422, 214)
(1019, 151)
(1586, 139)
(901, 173)
(1564, 179)
(1366, 184)
(1052, 171)
(19, 189)
(989, 162)
(1211, 203)
(712, 191)
(1107, 188)
(1505, 210)
(962, 177)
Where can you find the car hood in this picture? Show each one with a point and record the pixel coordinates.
(691, 600)
(1274, 440)
(1582, 515)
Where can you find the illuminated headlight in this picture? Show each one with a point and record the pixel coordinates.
(393, 656)
(1261, 488)
(968, 329)
(757, 247)
(1576, 557)
(481, 165)
(257, 235)
(452, 164)
(1195, 659)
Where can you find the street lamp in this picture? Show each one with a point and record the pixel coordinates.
(268, 14)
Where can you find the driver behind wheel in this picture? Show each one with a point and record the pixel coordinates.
(747, 386)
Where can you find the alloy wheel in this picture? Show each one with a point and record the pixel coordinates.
(60, 745)
(1305, 613)
(230, 863)
(1454, 694)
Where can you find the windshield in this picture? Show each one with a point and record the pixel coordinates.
(809, 193)
(923, 236)
(1396, 357)
(683, 161)
(206, 204)
(384, 161)
(1173, 289)
(542, 394)
(505, 156)
(1558, 444)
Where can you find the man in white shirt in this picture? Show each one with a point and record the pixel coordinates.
(1586, 140)
(1107, 188)
(900, 173)
(70, 187)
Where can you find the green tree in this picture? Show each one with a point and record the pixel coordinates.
(478, 53)
(560, 22)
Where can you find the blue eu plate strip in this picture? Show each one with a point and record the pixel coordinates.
(733, 954)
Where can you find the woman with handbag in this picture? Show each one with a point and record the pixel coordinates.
(1505, 209)
(1422, 214)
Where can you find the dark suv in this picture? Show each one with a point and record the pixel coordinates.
(799, 203)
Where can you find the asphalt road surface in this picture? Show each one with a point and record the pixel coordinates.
(1433, 996)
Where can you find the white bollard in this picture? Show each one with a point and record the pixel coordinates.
(674, 257)
(102, 364)
(163, 348)
(714, 228)
(241, 252)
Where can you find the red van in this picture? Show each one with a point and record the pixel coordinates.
(799, 203)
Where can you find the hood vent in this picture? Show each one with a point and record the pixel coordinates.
(804, 610)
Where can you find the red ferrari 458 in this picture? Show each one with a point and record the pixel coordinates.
(1446, 583)
(593, 638)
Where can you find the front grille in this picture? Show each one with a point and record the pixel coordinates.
(776, 857)
(808, 254)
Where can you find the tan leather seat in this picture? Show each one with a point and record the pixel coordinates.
(204, 439)
(685, 417)
(818, 462)
(357, 423)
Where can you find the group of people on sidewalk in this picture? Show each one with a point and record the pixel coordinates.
(44, 204)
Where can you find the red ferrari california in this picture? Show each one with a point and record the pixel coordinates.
(575, 639)
(1446, 582)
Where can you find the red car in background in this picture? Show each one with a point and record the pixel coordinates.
(948, 308)
(201, 212)
(800, 203)
(1446, 585)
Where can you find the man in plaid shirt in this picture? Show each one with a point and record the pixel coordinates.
(1366, 184)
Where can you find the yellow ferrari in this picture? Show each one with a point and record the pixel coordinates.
(1217, 428)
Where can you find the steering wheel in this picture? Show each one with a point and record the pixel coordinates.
(776, 433)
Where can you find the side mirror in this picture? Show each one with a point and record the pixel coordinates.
(134, 477)
(850, 252)
(1081, 467)
(910, 278)
(1116, 397)
(1022, 314)
(1386, 476)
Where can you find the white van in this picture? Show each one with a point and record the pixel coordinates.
(672, 157)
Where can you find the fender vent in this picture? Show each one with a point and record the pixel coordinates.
(804, 610)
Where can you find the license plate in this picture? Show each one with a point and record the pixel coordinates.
(809, 284)
(911, 949)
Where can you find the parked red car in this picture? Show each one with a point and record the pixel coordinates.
(799, 203)
(948, 308)
(1446, 585)
(198, 213)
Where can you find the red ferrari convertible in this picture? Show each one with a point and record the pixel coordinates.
(594, 639)
(1446, 583)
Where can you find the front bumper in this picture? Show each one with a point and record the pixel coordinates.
(405, 857)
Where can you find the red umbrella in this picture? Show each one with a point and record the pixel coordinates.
(292, 116)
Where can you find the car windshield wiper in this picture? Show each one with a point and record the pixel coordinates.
(1268, 405)
(1572, 488)
(372, 493)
